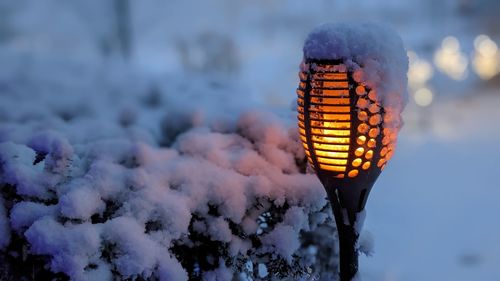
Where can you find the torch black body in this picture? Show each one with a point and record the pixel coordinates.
(342, 131)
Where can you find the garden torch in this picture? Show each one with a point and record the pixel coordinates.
(342, 129)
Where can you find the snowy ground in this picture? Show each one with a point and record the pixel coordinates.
(433, 211)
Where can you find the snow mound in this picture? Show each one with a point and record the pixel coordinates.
(374, 53)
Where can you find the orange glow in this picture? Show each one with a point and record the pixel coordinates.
(300, 93)
(361, 140)
(369, 154)
(375, 119)
(332, 161)
(332, 168)
(353, 173)
(330, 132)
(363, 128)
(303, 76)
(331, 84)
(356, 162)
(374, 132)
(389, 155)
(372, 95)
(333, 125)
(330, 139)
(360, 90)
(331, 154)
(331, 109)
(383, 152)
(374, 108)
(335, 101)
(337, 117)
(372, 143)
(330, 93)
(330, 76)
(362, 116)
(359, 151)
(331, 147)
(366, 166)
(362, 103)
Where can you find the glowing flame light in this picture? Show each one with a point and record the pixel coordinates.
(450, 60)
(486, 58)
(342, 126)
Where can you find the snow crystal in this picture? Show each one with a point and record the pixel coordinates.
(24, 214)
(284, 240)
(72, 247)
(81, 203)
(374, 53)
(262, 270)
(366, 243)
(139, 251)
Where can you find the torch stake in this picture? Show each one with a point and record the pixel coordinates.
(348, 237)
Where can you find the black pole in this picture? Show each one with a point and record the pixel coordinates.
(347, 251)
(348, 238)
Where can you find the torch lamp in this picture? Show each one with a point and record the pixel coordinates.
(341, 125)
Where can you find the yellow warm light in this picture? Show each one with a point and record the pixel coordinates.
(369, 154)
(361, 140)
(332, 168)
(330, 93)
(330, 132)
(366, 166)
(359, 151)
(333, 125)
(353, 173)
(340, 125)
(356, 162)
(331, 84)
(338, 162)
(331, 147)
(331, 154)
(330, 139)
(331, 109)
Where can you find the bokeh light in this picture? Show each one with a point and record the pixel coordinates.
(419, 72)
(486, 57)
(450, 59)
(423, 97)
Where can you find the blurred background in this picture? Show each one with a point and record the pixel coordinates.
(433, 213)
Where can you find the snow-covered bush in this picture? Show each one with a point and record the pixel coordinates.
(107, 175)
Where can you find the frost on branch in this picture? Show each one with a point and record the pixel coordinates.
(195, 187)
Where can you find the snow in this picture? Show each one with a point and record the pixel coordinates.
(374, 53)
(101, 197)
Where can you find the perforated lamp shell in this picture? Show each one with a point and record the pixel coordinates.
(341, 126)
